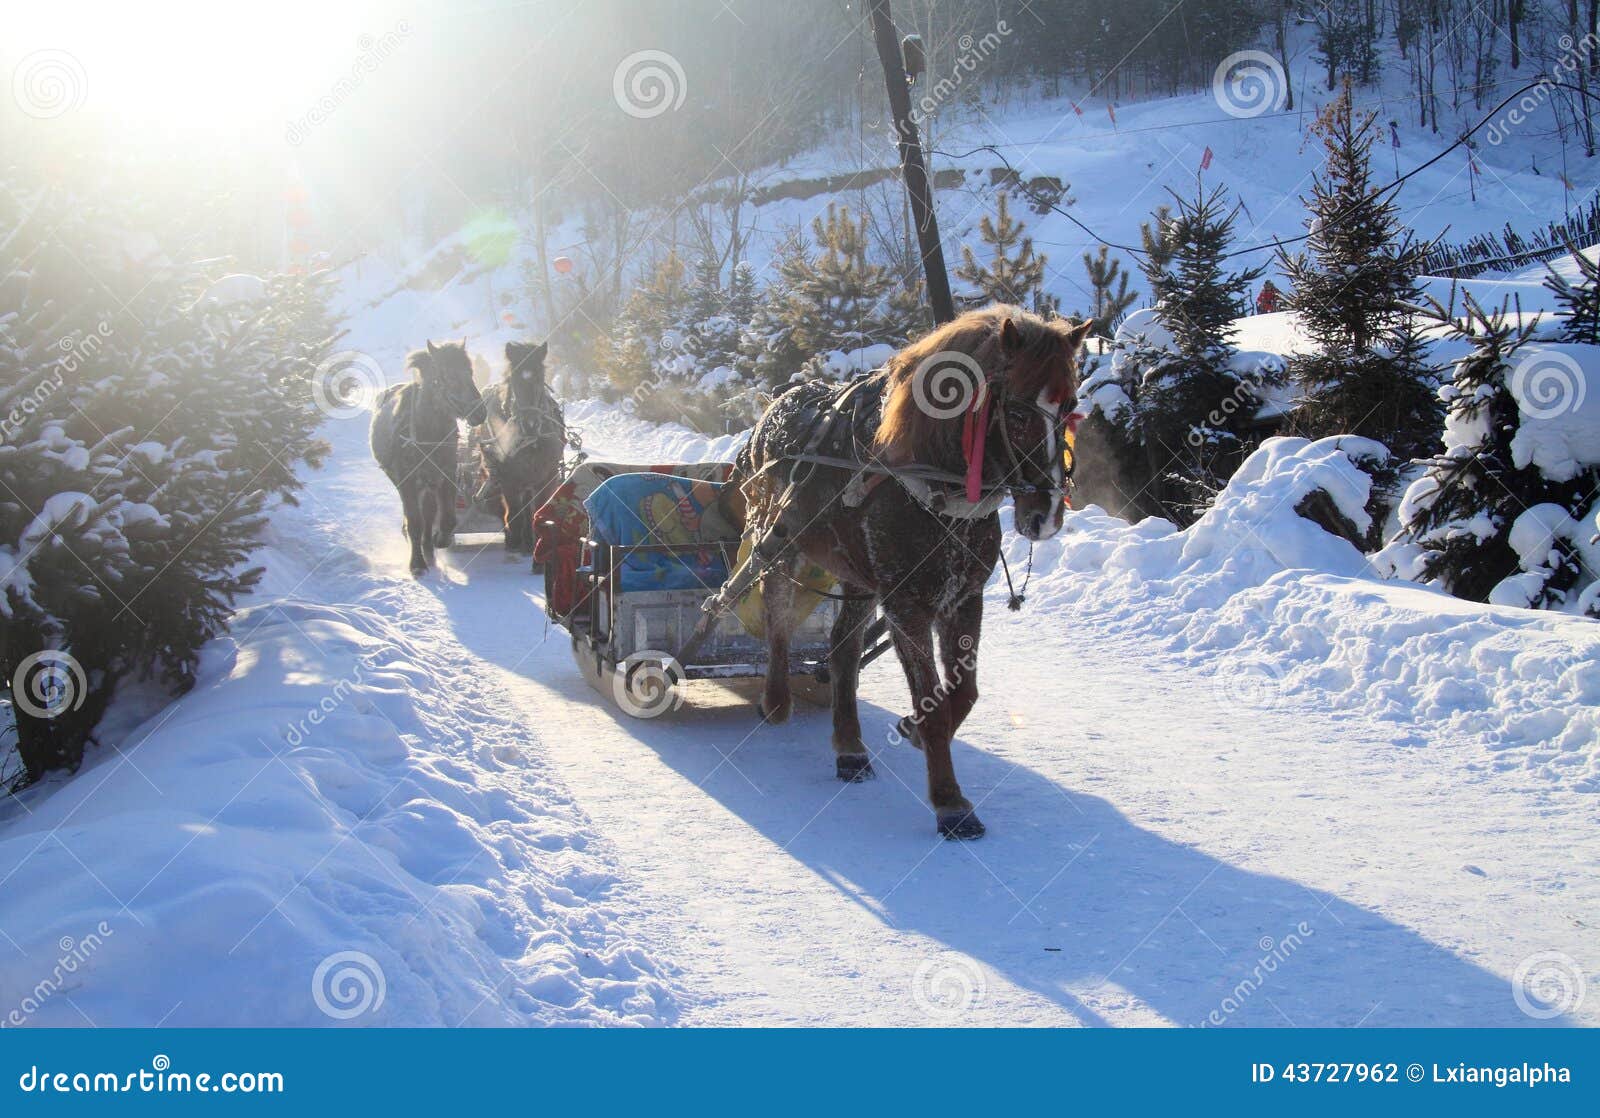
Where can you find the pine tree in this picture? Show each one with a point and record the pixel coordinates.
(826, 298)
(1580, 300)
(1014, 273)
(143, 437)
(1352, 289)
(1109, 283)
(1192, 412)
(1464, 512)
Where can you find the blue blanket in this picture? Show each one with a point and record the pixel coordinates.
(660, 509)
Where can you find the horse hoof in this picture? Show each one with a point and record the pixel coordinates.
(853, 768)
(418, 570)
(777, 715)
(908, 731)
(961, 824)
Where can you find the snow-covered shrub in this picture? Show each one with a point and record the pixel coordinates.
(1507, 513)
(144, 432)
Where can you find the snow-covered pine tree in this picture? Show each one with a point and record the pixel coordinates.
(1193, 413)
(142, 439)
(1580, 301)
(1506, 512)
(1109, 283)
(1013, 273)
(1351, 289)
(769, 355)
(829, 298)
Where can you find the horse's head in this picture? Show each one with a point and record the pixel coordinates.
(525, 374)
(447, 370)
(991, 395)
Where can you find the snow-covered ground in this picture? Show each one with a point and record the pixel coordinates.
(1220, 791)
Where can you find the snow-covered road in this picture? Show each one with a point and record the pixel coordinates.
(1156, 855)
(485, 840)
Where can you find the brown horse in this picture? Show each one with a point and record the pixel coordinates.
(415, 439)
(897, 500)
(522, 441)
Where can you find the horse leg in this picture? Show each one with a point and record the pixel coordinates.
(912, 630)
(777, 610)
(411, 502)
(429, 521)
(445, 513)
(958, 653)
(850, 759)
(523, 536)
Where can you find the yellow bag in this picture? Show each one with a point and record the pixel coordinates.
(814, 582)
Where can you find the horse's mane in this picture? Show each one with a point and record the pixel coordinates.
(419, 360)
(1042, 356)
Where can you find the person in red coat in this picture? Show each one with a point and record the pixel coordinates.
(1267, 301)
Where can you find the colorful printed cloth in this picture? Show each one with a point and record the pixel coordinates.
(650, 508)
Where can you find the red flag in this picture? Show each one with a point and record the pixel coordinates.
(1077, 109)
(1564, 182)
(1205, 160)
(1112, 112)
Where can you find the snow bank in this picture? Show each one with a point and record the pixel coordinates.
(332, 828)
(1286, 614)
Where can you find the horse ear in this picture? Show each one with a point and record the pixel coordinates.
(1078, 333)
(540, 350)
(433, 350)
(463, 343)
(512, 348)
(1010, 336)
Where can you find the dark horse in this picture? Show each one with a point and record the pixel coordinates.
(974, 410)
(415, 440)
(522, 441)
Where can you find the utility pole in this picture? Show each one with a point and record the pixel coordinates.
(912, 164)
